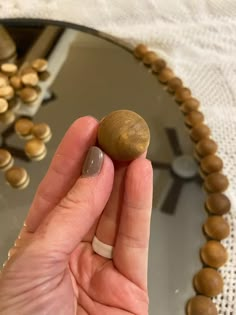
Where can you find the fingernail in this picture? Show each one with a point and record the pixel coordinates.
(93, 162)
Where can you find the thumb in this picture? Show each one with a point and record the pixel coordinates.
(72, 218)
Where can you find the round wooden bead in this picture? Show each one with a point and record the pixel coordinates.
(9, 68)
(40, 65)
(216, 227)
(17, 177)
(174, 84)
(43, 76)
(27, 70)
(216, 182)
(6, 92)
(217, 203)
(6, 160)
(35, 149)
(190, 105)
(42, 131)
(15, 82)
(149, 58)
(123, 135)
(165, 75)
(201, 305)
(206, 146)
(3, 80)
(214, 254)
(28, 95)
(200, 131)
(182, 94)
(30, 79)
(8, 117)
(140, 51)
(23, 128)
(193, 118)
(208, 282)
(3, 105)
(158, 65)
(211, 164)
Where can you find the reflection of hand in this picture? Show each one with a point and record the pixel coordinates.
(52, 268)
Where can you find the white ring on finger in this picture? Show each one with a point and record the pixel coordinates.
(102, 249)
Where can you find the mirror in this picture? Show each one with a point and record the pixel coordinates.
(90, 75)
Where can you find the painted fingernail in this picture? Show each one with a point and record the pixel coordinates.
(93, 162)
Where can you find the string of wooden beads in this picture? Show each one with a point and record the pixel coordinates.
(208, 282)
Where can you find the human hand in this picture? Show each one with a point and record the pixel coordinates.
(52, 269)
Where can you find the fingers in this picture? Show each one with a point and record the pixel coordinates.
(64, 170)
(130, 254)
(72, 218)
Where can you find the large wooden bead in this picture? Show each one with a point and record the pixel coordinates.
(123, 135)
(200, 131)
(158, 65)
(216, 182)
(208, 282)
(214, 254)
(149, 58)
(217, 203)
(216, 227)
(165, 75)
(174, 84)
(201, 305)
(206, 146)
(211, 164)
(193, 118)
(182, 94)
(40, 65)
(17, 177)
(190, 105)
(140, 51)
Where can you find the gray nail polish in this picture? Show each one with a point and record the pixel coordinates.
(93, 162)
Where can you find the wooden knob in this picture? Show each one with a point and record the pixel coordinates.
(165, 75)
(17, 177)
(35, 149)
(6, 160)
(23, 128)
(211, 164)
(194, 118)
(214, 254)
(216, 227)
(216, 182)
(3, 105)
(182, 94)
(9, 68)
(149, 58)
(174, 84)
(208, 282)
(40, 65)
(199, 132)
(140, 51)
(217, 203)
(28, 95)
(206, 147)
(124, 135)
(6, 92)
(15, 82)
(201, 305)
(42, 131)
(30, 79)
(158, 65)
(190, 105)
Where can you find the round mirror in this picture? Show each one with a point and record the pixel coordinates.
(90, 75)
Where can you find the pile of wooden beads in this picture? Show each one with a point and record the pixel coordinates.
(208, 282)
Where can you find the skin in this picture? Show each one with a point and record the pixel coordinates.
(52, 268)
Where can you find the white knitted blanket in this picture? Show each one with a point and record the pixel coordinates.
(198, 39)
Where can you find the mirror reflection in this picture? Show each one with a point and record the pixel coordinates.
(89, 75)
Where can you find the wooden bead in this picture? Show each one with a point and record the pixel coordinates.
(42, 132)
(211, 164)
(193, 118)
(15, 82)
(43, 76)
(174, 84)
(216, 182)
(165, 75)
(216, 227)
(217, 203)
(190, 105)
(23, 128)
(201, 305)
(182, 94)
(3, 105)
(9, 68)
(206, 146)
(214, 254)
(30, 79)
(35, 149)
(40, 65)
(27, 70)
(7, 118)
(123, 135)
(28, 95)
(140, 51)
(17, 177)
(199, 132)
(3, 80)
(149, 58)
(208, 282)
(6, 92)
(158, 65)
(6, 160)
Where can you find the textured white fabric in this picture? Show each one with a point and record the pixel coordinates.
(198, 39)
